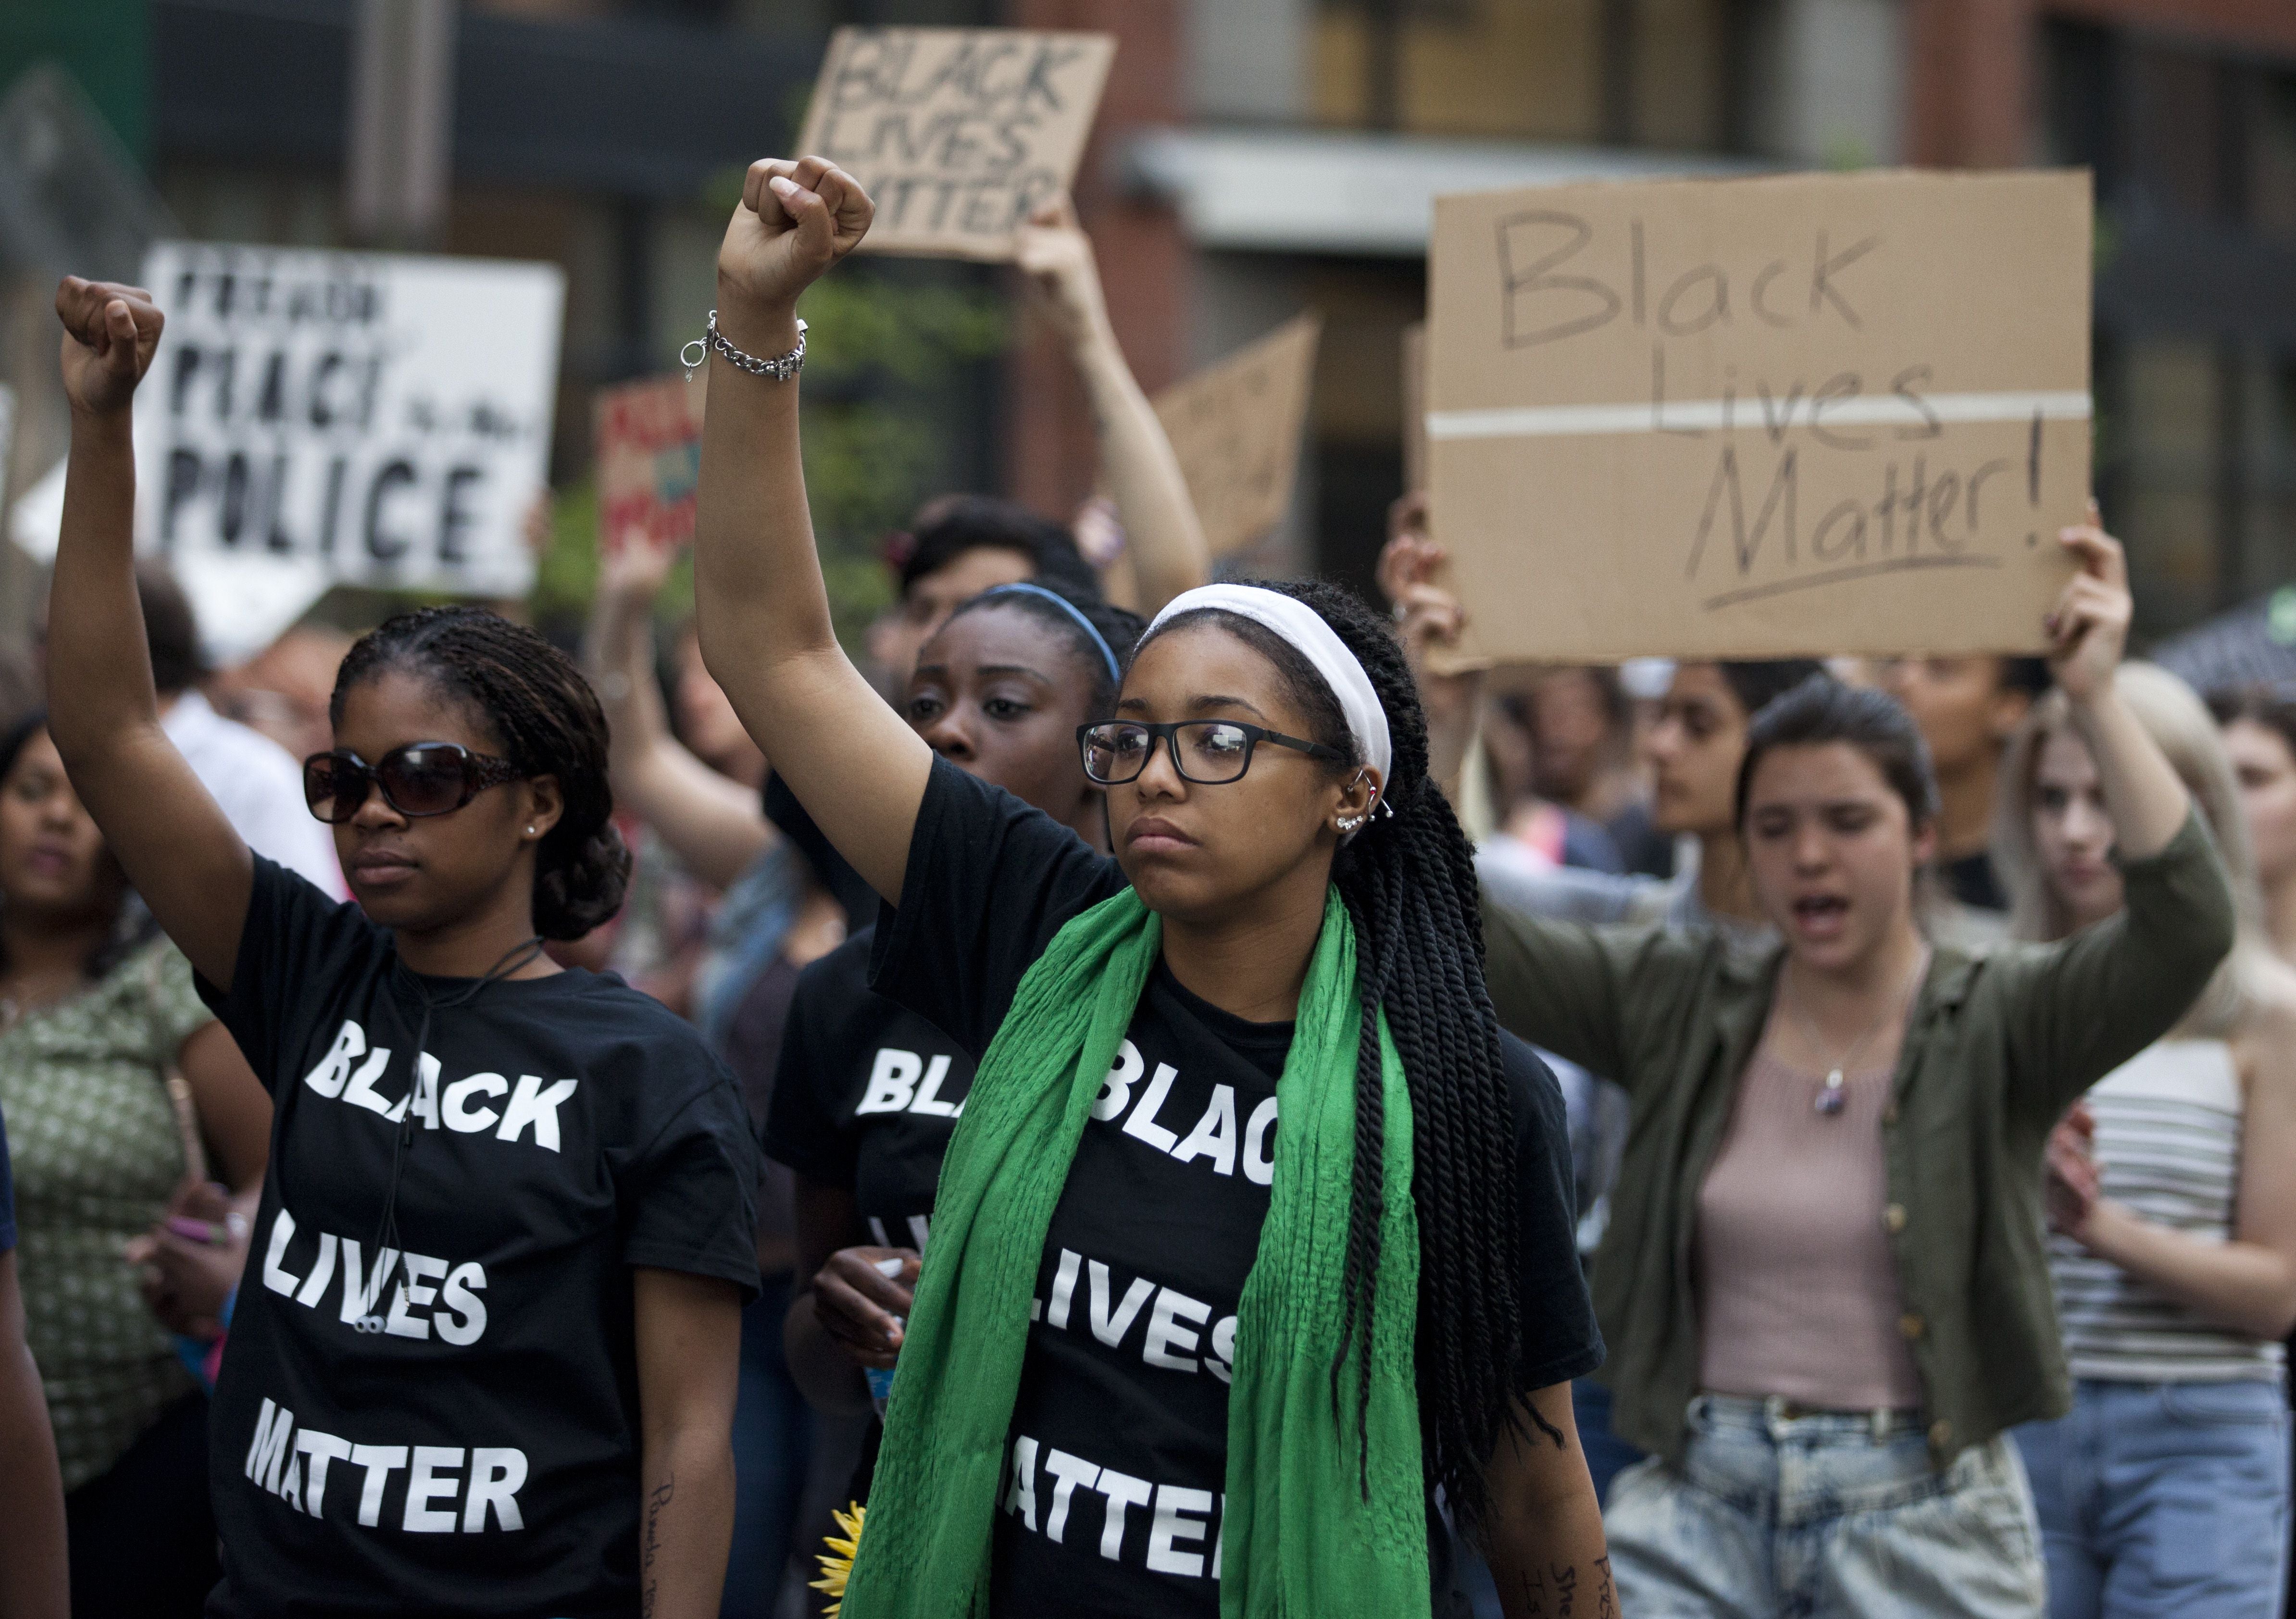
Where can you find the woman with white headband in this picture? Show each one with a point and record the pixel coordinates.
(1163, 1358)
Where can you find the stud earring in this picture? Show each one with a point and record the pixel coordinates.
(529, 831)
(1350, 823)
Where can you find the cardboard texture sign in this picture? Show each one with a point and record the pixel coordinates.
(1753, 418)
(957, 135)
(648, 437)
(1235, 428)
(351, 418)
(1415, 407)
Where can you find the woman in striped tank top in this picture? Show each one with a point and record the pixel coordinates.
(2172, 1207)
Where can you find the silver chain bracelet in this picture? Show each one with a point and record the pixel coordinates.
(781, 368)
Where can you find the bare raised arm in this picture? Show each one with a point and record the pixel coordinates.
(711, 822)
(175, 845)
(1169, 552)
(2087, 631)
(760, 606)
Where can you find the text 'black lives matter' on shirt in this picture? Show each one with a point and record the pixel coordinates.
(1116, 1459)
(448, 1421)
(866, 1095)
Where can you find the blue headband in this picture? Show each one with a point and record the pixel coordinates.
(1115, 674)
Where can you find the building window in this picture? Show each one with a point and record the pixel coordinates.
(1621, 72)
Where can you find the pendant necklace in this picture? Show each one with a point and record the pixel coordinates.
(1832, 1099)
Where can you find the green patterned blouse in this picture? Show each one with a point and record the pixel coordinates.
(83, 1084)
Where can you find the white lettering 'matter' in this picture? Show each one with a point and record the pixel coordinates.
(351, 1072)
(449, 1489)
(1048, 1488)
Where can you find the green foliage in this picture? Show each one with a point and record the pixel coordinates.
(883, 353)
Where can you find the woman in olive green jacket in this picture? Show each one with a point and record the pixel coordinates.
(1824, 1284)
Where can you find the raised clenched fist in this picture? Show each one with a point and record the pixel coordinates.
(110, 333)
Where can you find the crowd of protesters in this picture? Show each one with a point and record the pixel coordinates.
(1177, 1106)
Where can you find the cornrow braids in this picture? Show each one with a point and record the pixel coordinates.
(1119, 627)
(547, 723)
(1408, 882)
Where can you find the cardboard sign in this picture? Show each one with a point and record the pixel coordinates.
(1235, 428)
(957, 135)
(1760, 417)
(369, 419)
(1415, 407)
(648, 437)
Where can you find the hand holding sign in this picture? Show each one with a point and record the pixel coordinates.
(110, 333)
(633, 572)
(796, 217)
(1056, 257)
(2089, 624)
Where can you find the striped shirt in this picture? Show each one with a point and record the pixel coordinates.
(2167, 1149)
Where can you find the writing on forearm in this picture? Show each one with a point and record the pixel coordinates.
(655, 1503)
(1590, 1597)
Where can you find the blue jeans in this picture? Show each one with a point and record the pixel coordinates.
(773, 1439)
(2164, 1498)
(1822, 1516)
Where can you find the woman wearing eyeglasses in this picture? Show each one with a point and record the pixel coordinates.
(1167, 1356)
(483, 1357)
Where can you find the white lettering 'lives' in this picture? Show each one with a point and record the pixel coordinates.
(1173, 1339)
(352, 1072)
(448, 1488)
(432, 1295)
(1048, 1491)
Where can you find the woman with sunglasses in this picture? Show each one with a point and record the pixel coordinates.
(483, 1357)
(1163, 1358)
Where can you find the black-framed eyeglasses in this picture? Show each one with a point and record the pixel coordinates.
(419, 779)
(1210, 753)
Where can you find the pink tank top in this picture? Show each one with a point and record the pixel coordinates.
(1796, 1287)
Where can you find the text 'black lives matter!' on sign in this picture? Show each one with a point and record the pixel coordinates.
(957, 135)
(367, 418)
(1754, 417)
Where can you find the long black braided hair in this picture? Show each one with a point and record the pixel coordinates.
(1408, 881)
(547, 723)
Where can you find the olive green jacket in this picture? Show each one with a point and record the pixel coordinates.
(1998, 1046)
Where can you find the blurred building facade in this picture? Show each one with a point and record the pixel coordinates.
(1259, 156)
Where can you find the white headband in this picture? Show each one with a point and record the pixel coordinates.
(1302, 627)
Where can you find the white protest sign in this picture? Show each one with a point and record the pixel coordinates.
(348, 417)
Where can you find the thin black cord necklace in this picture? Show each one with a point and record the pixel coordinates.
(386, 1234)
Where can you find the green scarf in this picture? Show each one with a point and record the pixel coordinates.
(1298, 1538)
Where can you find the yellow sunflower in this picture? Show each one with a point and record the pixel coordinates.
(837, 1562)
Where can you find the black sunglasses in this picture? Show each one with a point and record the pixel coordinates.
(1210, 752)
(419, 779)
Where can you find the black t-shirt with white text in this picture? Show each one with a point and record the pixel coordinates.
(866, 1095)
(444, 1419)
(1116, 1457)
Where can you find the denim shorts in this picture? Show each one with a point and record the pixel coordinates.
(1776, 1512)
(2164, 1498)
